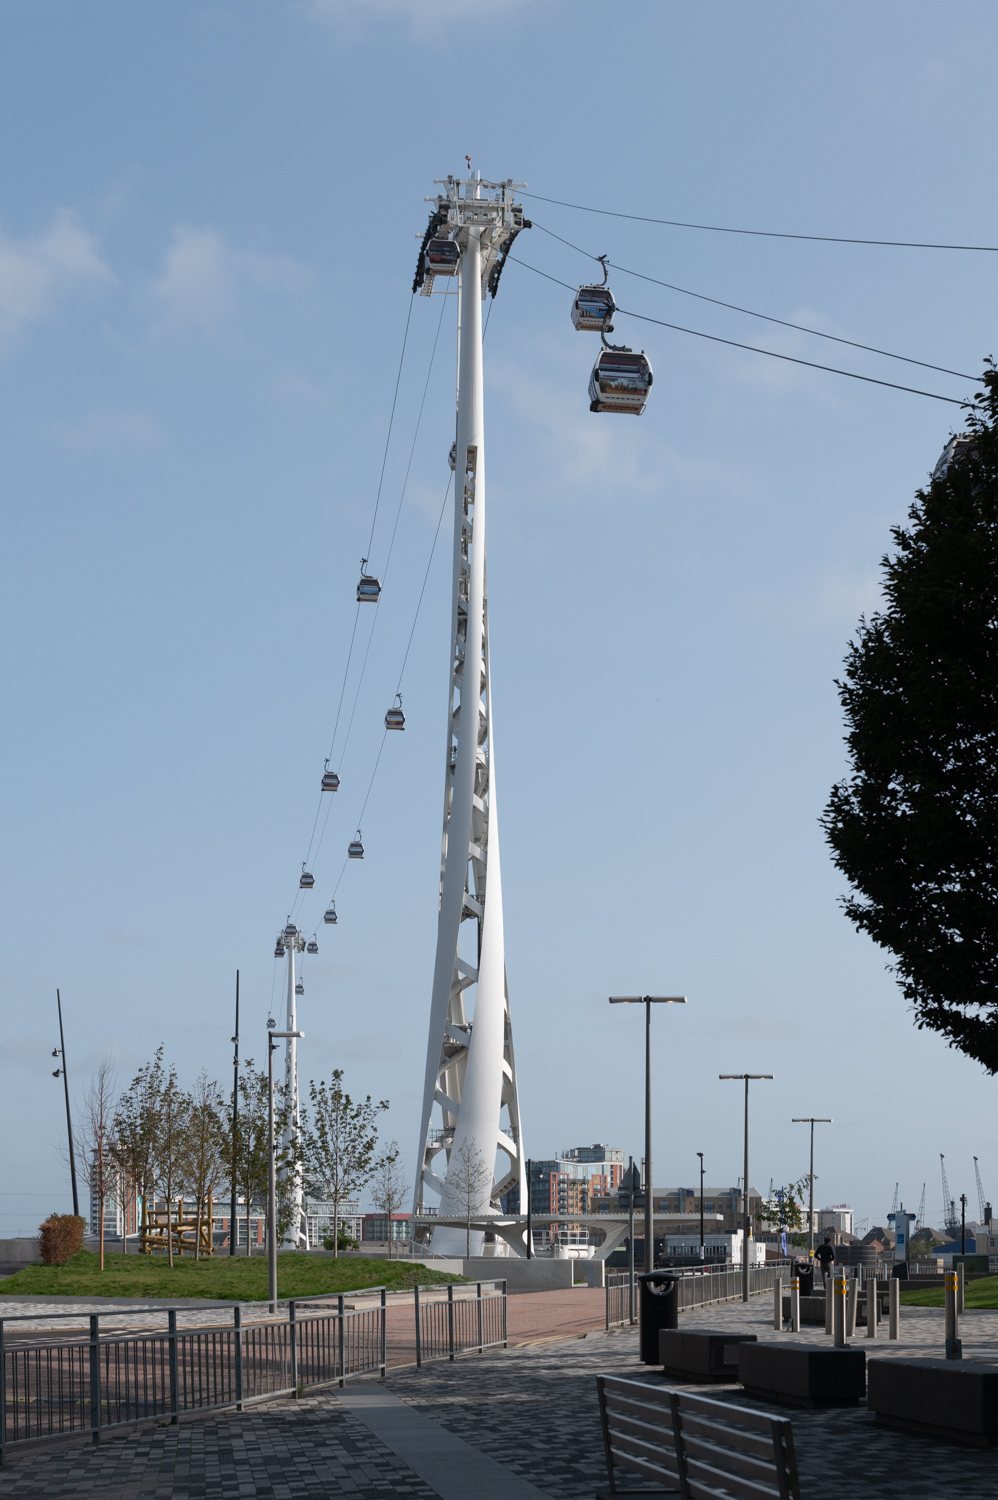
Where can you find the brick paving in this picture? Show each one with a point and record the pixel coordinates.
(532, 1409)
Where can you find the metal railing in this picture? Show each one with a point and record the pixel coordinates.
(67, 1387)
(696, 1288)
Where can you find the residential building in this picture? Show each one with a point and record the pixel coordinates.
(320, 1218)
(122, 1209)
(374, 1228)
(838, 1217)
(719, 1204)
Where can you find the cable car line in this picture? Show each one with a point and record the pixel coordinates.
(754, 348)
(769, 234)
(733, 306)
(391, 420)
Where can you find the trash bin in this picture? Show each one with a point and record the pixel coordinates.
(899, 1270)
(804, 1271)
(658, 1309)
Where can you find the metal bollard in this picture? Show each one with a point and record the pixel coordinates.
(954, 1347)
(828, 1305)
(794, 1304)
(840, 1289)
(960, 1283)
(895, 1308)
(778, 1304)
(852, 1306)
(872, 1308)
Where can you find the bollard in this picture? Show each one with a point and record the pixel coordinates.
(852, 1306)
(954, 1348)
(895, 1308)
(961, 1271)
(828, 1304)
(872, 1310)
(795, 1305)
(840, 1289)
(778, 1304)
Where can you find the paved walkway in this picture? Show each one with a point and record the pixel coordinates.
(523, 1423)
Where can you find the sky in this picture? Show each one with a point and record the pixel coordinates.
(209, 217)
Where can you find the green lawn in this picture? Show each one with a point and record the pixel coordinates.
(982, 1293)
(227, 1278)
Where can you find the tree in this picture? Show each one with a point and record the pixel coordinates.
(785, 1212)
(251, 1147)
(170, 1145)
(469, 1182)
(914, 826)
(339, 1147)
(203, 1152)
(389, 1189)
(95, 1147)
(136, 1127)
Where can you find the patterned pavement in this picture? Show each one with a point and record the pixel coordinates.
(532, 1409)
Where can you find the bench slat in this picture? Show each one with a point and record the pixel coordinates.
(697, 1449)
(652, 1431)
(710, 1479)
(619, 1385)
(650, 1471)
(707, 1427)
(656, 1411)
(738, 1416)
(627, 1447)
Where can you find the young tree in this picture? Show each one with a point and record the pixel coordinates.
(389, 1187)
(786, 1212)
(170, 1145)
(339, 1147)
(136, 1129)
(203, 1153)
(914, 826)
(251, 1147)
(469, 1179)
(95, 1146)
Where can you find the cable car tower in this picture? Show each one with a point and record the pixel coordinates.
(290, 941)
(471, 1113)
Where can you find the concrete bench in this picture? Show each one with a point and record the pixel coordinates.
(698, 1355)
(802, 1374)
(956, 1399)
(691, 1446)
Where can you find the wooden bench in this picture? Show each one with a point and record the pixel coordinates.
(693, 1446)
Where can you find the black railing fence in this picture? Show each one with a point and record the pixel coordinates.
(696, 1288)
(62, 1387)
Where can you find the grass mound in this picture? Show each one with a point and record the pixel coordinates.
(223, 1277)
(983, 1294)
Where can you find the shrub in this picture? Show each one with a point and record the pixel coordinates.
(62, 1237)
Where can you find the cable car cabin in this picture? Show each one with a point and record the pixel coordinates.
(593, 309)
(369, 587)
(329, 916)
(291, 930)
(330, 780)
(395, 718)
(620, 382)
(452, 457)
(279, 951)
(299, 987)
(311, 946)
(355, 848)
(306, 882)
(442, 258)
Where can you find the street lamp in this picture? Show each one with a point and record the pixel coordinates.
(811, 1120)
(648, 1001)
(746, 1232)
(702, 1256)
(272, 1037)
(60, 1051)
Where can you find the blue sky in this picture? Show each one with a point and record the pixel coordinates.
(209, 218)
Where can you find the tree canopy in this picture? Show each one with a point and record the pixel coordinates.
(914, 825)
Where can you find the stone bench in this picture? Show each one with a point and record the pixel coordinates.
(801, 1374)
(699, 1354)
(950, 1398)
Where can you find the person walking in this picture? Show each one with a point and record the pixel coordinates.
(825, 1256)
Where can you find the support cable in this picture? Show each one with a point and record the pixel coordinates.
(769, 234)
(753, 348)
(733, 306)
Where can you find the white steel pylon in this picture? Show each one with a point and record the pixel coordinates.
(470, 1080)
(293, 942)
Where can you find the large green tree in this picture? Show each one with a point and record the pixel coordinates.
(914, 826)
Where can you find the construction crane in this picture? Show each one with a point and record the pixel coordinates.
(894, 1205)
(920, 1221)
(950, 1223)
(980, 1192)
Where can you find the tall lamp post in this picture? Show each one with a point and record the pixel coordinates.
(648, 1001)
(747, 1231)
(811, 1120)
(702, 1256)
(272, 1037)
(233, 1227)
(60, 1052)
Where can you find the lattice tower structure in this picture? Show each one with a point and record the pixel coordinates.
(471, 1113)
(297, 1235)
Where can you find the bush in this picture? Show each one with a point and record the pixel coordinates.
(62, 1237)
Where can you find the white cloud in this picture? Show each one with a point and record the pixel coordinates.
(35, 273)
(205, 279)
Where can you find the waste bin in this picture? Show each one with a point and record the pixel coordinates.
(804, 1271)
(658, 1309)
(899, 1270)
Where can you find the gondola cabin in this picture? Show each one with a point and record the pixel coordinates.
(311, 946)
(395, 718)
(299, 987)
(307, 881)
(279, 951)
(330, 780)
(329, 915)
(355, 848)
(291, 930)
(620, 382)
(593, 309)
(442, 258)
(369, 587)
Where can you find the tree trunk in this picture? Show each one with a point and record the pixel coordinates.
(100, 1225)
(336, 1225)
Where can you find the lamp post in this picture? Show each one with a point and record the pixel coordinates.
(747, 1231)
(811, 1120)
(272, 1037)
(963, 1223)
(702, 1256)
(648, 1001)
(60, 1051)
(233, 1227)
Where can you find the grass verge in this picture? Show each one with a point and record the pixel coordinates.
(223, 1277)
(983, 1294)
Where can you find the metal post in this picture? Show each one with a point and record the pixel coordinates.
(778, 1303)
(963, 1223)
(293, 1340)
(828, 1305)
(480, 1345)
(840, 1290)
(504, 1339)
(702, 1256)
(341, 1340)
(95, 1378)
(852, 1306)
(419, 1335)
(954, 1347)
(3, 1399)
(895, 1308)
(271, 1182)
(237, 1324)
(630, 1240)
(530, 1220)
(795, 1304)
(171, 1324)
(961, 1272)
(872, 1306)
(649, 1175)
(450, 1319)
(384, 1324)
(69, 1122)
(233, 1227)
